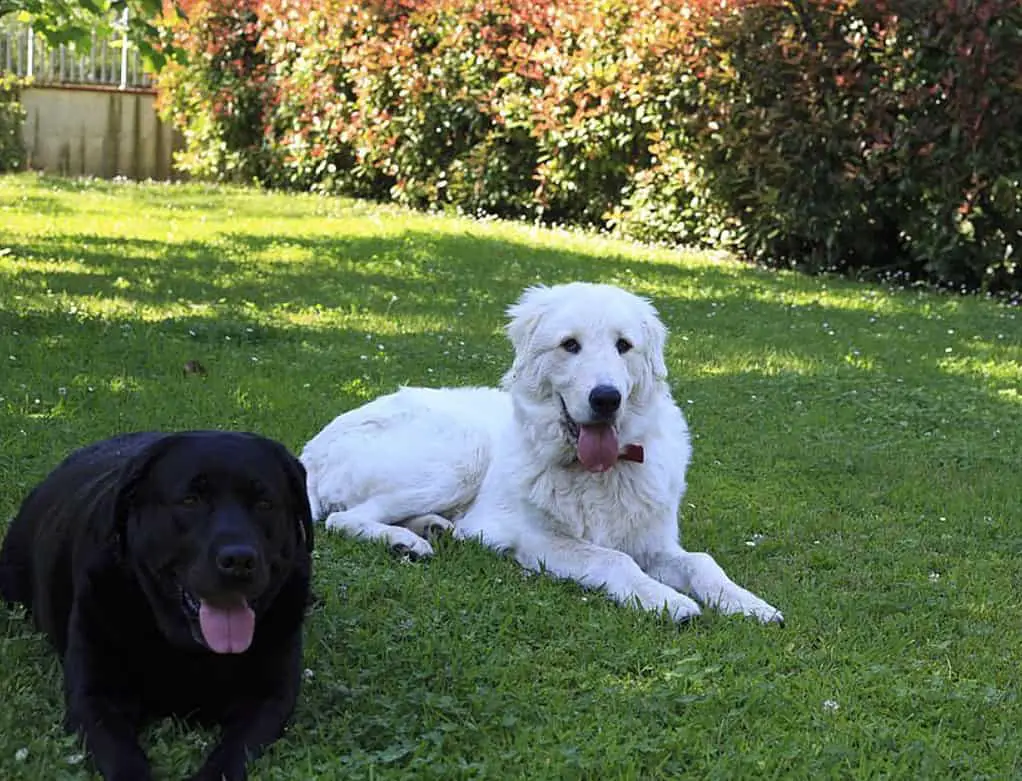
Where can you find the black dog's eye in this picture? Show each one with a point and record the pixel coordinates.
(571, 345)
(189, 500)
(623, 346)
(263, 504)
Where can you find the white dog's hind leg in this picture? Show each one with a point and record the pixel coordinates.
(429, 525)
(597, 567)
(701, 576)
(376, 519)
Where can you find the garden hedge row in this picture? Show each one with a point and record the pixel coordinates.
(861, 136)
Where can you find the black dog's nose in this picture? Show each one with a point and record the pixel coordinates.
(605, 400)
(237, 561)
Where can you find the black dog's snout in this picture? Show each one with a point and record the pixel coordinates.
(605, 400)
(237, 561)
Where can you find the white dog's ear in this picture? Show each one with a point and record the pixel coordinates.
(655, 334)
(524, 317)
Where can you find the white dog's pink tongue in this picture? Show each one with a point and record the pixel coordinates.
(597, 447)
(227, 630)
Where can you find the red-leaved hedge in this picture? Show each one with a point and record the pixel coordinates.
(848, 135)
(879, 135)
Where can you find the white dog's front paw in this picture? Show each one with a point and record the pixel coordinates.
(683, 609)
(753, 606)
(662, 598)
(768, 614)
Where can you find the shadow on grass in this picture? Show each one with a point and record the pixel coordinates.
(468, 281)
(858, 383)
(739, 329)
(205, 199)
(428, 272)
(43, 204)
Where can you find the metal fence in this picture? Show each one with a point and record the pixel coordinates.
(107, 61)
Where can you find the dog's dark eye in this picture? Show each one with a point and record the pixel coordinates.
(189, 500)
(623, 346)
(263, 505)
(572, 346)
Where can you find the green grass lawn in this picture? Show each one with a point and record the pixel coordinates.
(856, 463)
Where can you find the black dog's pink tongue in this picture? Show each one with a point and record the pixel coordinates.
(227, 630)
(597, 447)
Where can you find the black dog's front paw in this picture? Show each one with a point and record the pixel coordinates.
(113, 752)
(131, 774)
(123, 769)
(217, 775)
(220, 770)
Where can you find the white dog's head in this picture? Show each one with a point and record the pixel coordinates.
(589, 359)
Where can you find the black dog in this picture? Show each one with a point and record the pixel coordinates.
(171, 573)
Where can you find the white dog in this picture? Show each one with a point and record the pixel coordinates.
(577, 468)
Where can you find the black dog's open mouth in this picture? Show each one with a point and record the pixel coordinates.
(191, 603)
(225, 625)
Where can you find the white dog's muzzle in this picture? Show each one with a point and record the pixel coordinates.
(596, 442)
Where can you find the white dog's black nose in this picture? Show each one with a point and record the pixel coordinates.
(604, 400)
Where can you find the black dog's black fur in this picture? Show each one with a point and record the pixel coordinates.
(115, 551)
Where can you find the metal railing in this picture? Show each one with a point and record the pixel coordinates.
(105, 61)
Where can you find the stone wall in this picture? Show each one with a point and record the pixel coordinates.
(97, 131)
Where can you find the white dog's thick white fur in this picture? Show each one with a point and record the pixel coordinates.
(533, 469)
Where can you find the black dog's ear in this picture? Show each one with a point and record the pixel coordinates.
(132, 474)
(304, 511)
(296, 478)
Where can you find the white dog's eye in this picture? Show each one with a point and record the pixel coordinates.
(572, 346)
(623, 346)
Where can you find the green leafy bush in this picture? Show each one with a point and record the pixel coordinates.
(309, 129)
(403, 100)
(876, 136)
(219, 97)
(863, 137)
(501, 107)
(12, 118)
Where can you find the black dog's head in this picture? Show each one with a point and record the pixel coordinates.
(213, 524)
